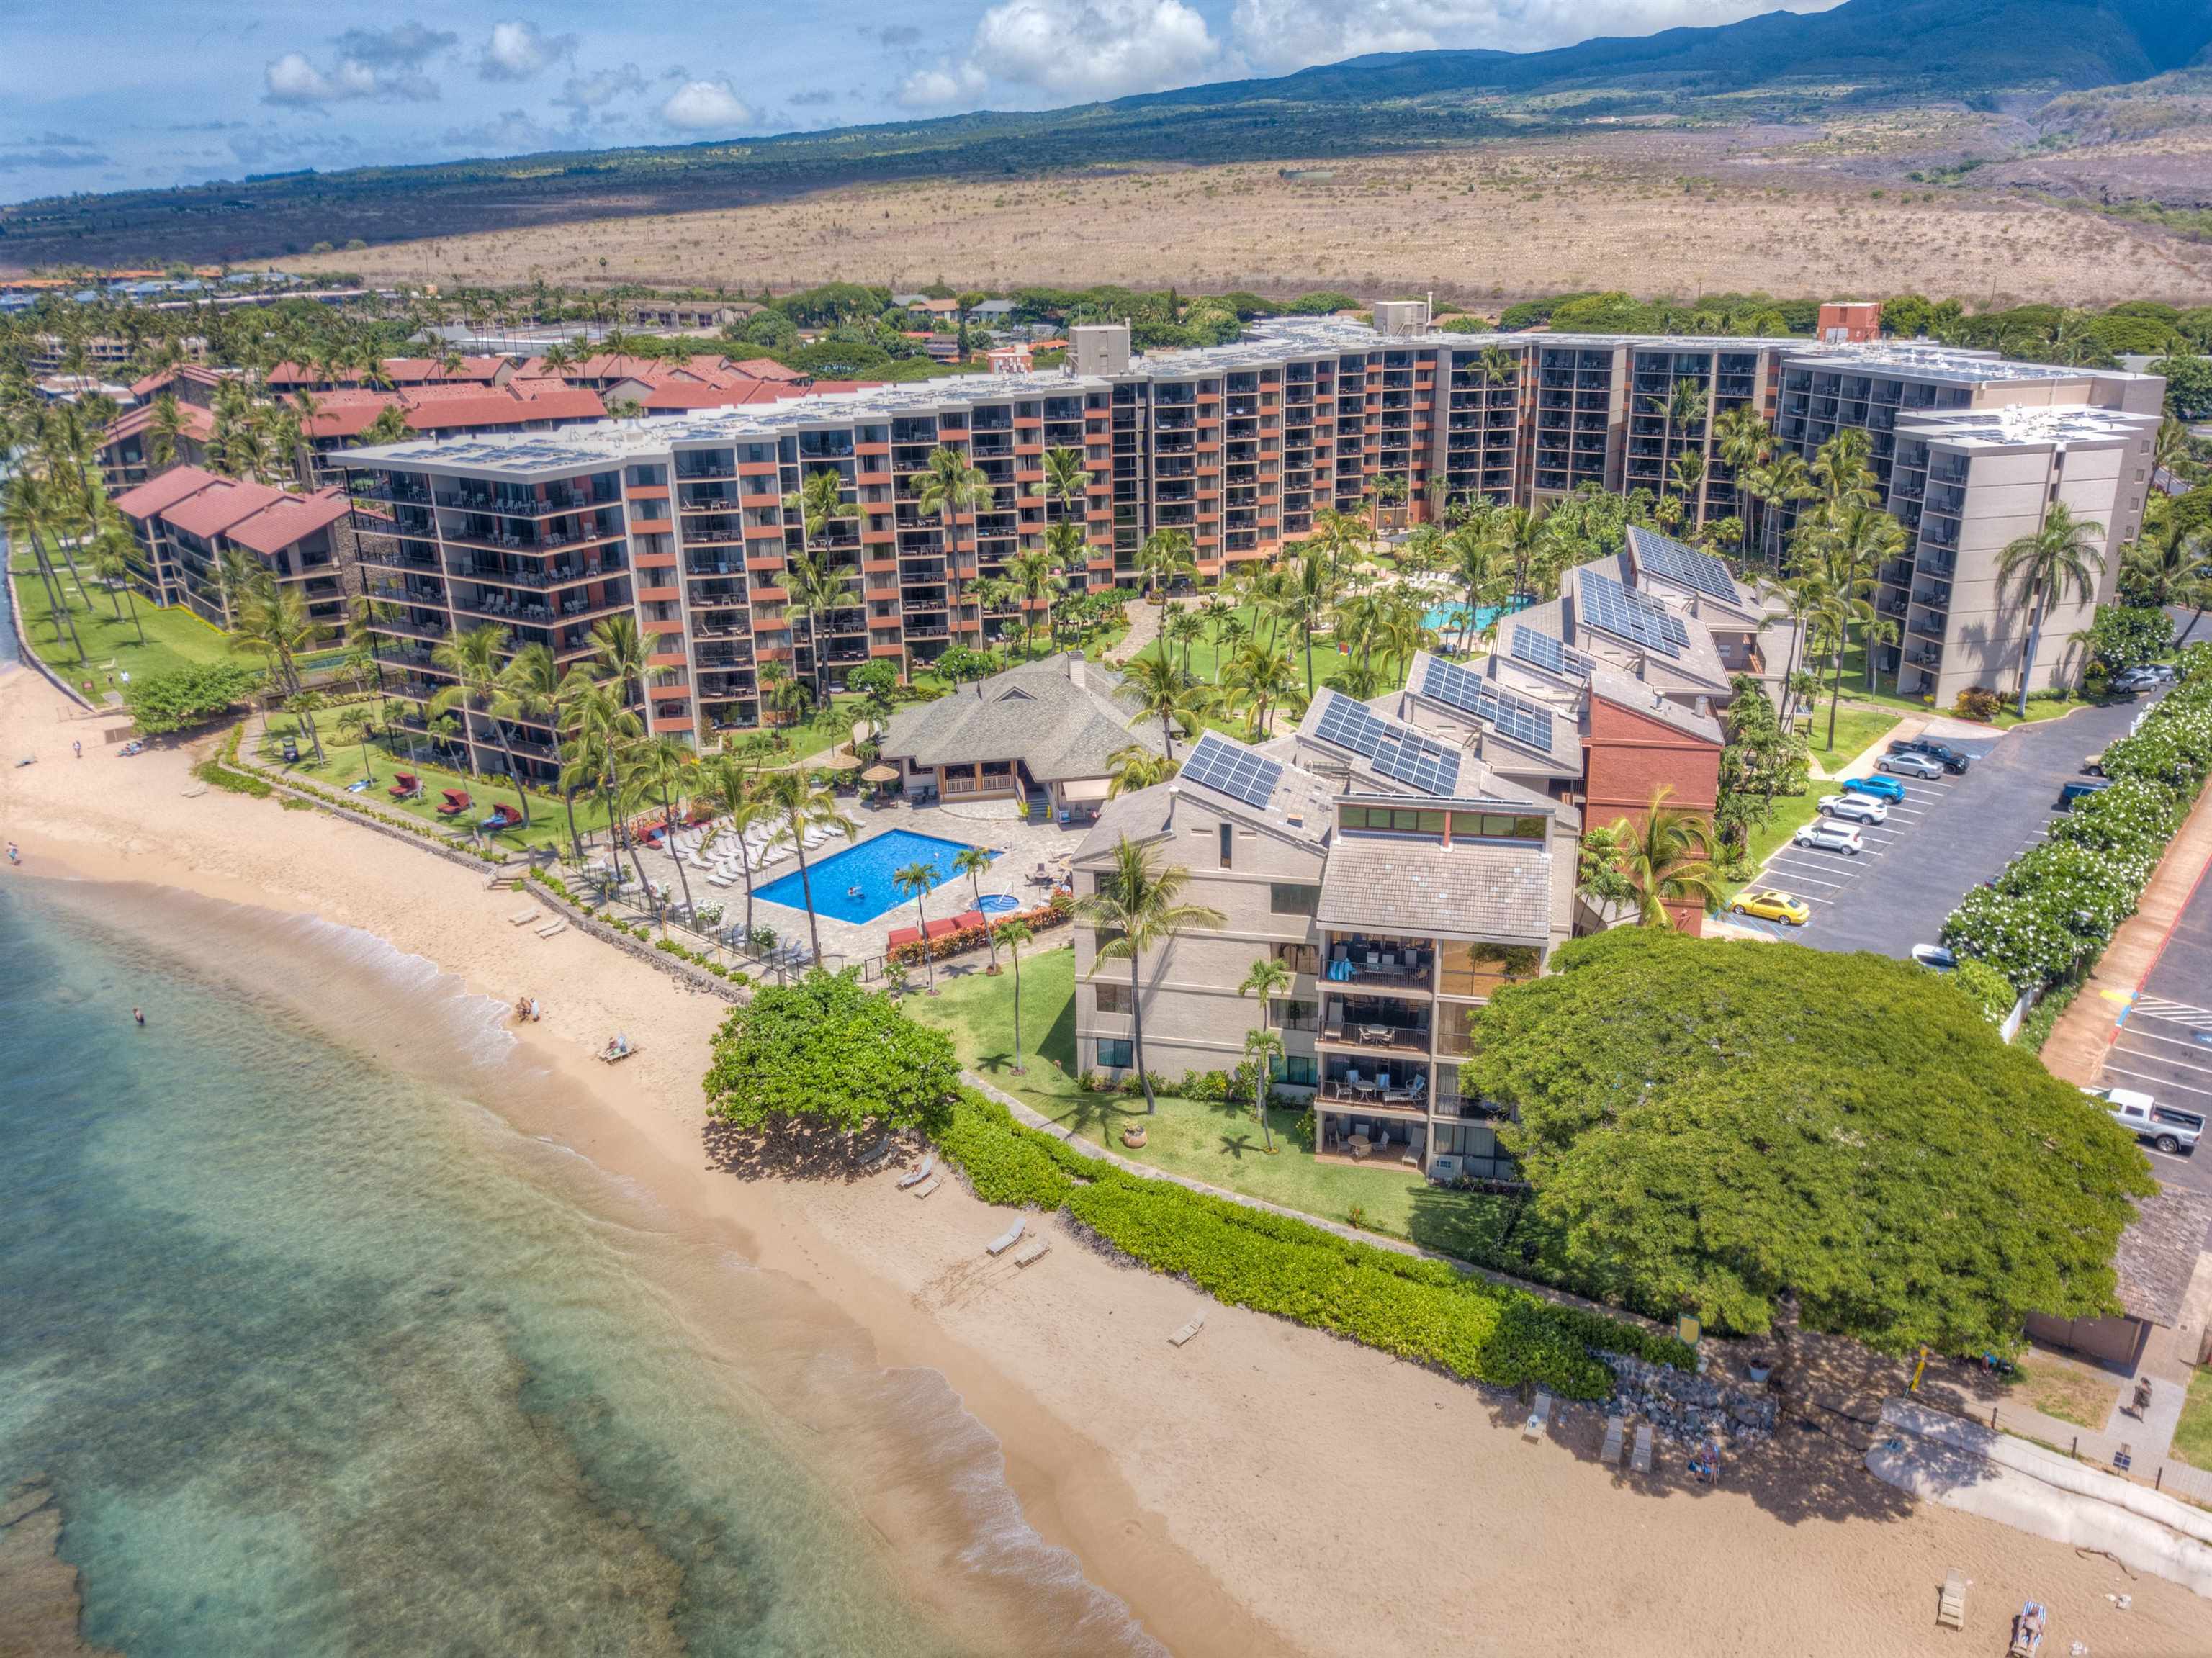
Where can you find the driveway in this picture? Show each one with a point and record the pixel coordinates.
(1947, 836)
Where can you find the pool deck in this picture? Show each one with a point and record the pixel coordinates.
(1021, 845)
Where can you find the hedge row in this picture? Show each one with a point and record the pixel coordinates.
(1054, 913)
(2050, 912)
(1419, 1309)
(1007, 1163)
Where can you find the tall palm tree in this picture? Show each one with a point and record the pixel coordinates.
(915, 881)
(472, 657)
(802, 804)
(1136, 767)
(1139, 905)
(599, 726)
(2172, 555)
(1067, 480)
(974, 862)
(1260, 680)
(1261, 1047)
(657, 767)
(273, 622)
(356, 722)
(619, 651)
(950, 486)
(304, 706)
(816, 587)
(530, 690)
(1742, 441)
(1164, 556)
(1783, 480)
(163, 431)
(1035, 576)
(1182, 629)
(1013, 935)
(1268, 980)
(732, 787)
(112, 561)
(1840, 470)
(2057, 560)
(1669, 860)
(30, 513)
(1314, 583)
(1165, 693)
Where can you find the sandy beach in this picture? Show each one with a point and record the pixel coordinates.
(1266, 1488)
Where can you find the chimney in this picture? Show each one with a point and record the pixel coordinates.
(1074, 660)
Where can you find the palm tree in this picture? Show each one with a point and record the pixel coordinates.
(1013, 935)
(1262, 1046)
(1743, 441)
(949, 485)
(1183, 628)
(915, 881)
(530, 690)
(113, 560)
(619, 650)
(1783, 480)
(303, 706)
(1165, 693)
(1136, 767)
(656, 766)
(816, 587)
(1314, 583)
(356, 722)
(1164, 556)
(600, 727)
(1138, 907)
(472, 657)
(389, 426)
(732, 787)
(1066, 479)
(1669, 859)
(802, 804)
(1841, 470)
(1260, 680)
(273, 622)
(29, 513)
(1268, 980)
(2055, 561)
(974, 862)
(2171, 556)
(1036, 576)
(166, 428)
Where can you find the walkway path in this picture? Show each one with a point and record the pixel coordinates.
(1144, 627)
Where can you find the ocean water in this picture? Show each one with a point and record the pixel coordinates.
(325, 1355)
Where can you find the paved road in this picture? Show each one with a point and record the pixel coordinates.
(1947, 836)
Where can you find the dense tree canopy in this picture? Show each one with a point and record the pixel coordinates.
(829, 1051)
(176, 699)
(1712, 1125)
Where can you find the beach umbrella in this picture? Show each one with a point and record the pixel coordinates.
(840, 761)
(881, 774)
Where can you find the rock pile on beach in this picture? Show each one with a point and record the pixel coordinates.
(1681, 1405)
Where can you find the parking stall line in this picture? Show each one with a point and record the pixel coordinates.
(2158, 1007)
(2157, 1082)
(2150, 1057)
(2199, 1045)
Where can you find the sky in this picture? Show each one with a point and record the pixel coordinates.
(112, 95)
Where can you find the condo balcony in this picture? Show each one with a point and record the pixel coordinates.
(1405, 966)
(1377, 1024)
(1396, 1088)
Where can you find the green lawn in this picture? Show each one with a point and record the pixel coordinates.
(175, 638)
(1857, 729)
(2193, 1436)
(342, 764)
(1220, 1142)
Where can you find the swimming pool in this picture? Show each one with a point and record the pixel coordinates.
(856, 884)
(1446, 618)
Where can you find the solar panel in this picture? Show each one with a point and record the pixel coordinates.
(1403, 755)
(1689, 566)
(1542, 651)
(1602, 602)
(1527, 723)
(1230, 768)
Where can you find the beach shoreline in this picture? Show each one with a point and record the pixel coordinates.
(1268, 1489)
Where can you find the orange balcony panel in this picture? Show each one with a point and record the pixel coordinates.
(664, 561)
(771, 563)
(647, 492)
(667, 591)
(671, 722)
(871, 448)
(878, 476)
(756, 469)
(675, 659)
(883, 647)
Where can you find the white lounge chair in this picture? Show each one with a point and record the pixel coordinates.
(1005, 1240)
(548, 932)
(1609, 1452)
(915, 1177)
(1188, 1331)
(1539, 1418)
(1640, 1458)
(877, 1154)
(928, 1185)
(1033, 1251)
(518, 919)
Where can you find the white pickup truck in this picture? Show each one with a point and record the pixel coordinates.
(2168, 1128)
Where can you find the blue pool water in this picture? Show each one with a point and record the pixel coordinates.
(997, 903)
(1442, 618)
(856, 885)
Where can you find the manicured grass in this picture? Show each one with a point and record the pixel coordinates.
(2072, 1393)
(175, 638)
(1217, 1142)
(1791, 812)
(342, 764)
(2192, 1437)
(1857, 729)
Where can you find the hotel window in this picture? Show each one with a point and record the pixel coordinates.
(1114, 1055)
(1299, 958)
(1228, 835)
(1497, 826)
(1115, 999)
(1295, 1069)
(1292, 898)
(1399, 820)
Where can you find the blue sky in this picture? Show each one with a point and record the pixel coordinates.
(106, 94)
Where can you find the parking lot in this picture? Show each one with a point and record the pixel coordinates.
(2163, 1047)
(1947, 836)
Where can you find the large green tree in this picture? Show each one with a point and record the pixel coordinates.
(824, 1050)
(1726, 1128)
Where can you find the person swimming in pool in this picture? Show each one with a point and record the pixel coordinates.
(855, 891)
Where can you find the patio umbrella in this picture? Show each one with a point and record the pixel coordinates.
(840, 761)
(881, 774)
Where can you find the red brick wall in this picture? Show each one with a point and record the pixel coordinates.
(1628, 756)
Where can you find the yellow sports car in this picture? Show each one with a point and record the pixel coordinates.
(1773, 907)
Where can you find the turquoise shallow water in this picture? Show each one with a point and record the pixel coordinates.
(323, 1357)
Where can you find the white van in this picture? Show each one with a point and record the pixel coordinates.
(2168, 1128)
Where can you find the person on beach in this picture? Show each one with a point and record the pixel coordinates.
(138, 1016)
(78, 747)
(15, 856)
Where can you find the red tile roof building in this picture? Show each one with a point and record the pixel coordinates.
(186, 519)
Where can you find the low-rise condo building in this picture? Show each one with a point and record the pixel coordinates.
(188, 523)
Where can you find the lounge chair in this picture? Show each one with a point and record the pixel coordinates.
(915, 1176)
(928, 1185)
(1033, 1251)
(902, 935)
(405, 785)
(453, 802)
(940, 927)
(1609, 1452)
(1951, 1604)
(1639, 1459)
(1005, 1240)
(1188, 1331)
(521, 916)
(967, 918)
(1539, 1418)
(549, 931)
(876, 1153)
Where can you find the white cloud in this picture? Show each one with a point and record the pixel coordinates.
(704, 105)
(583, 94)
(934, 88)
(518, 52)
(1093, 48)
(1286, 35)
(379, 64)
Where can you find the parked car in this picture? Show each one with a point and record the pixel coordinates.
(1910, 762)
(1943, 753)
(2079, 788)
(1830, 838)
(1771, 906)
(1854, 809)
(2131, 680)
(1936, 959)
(1879, 788)
(2171, 1129)
(2092, 765)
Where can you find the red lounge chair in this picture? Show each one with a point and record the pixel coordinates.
(405, 785)
(967, 918)
(455, 803)
(503, 816)
(902, 935)
(938, 928)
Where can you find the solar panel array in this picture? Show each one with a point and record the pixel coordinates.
(1230, 768)
(1602, 602)
(1396, 752)
(1690, 567)
(1542, 651)
(1527, 723)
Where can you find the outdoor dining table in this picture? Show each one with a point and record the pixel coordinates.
(1361, 1146)
(1377, 1033)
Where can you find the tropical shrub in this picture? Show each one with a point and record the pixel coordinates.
(825, 1050)
(1985, 988)
(176, 699)
(1008, 1163)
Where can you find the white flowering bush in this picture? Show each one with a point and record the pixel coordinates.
(2055, 907)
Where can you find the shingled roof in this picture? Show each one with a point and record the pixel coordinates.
(2157, 1256)
(1037, 713)
(1401, 884)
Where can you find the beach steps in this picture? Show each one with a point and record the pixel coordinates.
(1951, 1603)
